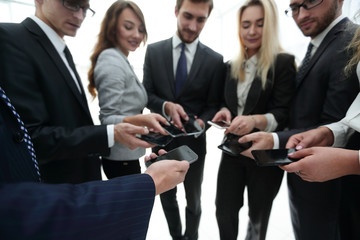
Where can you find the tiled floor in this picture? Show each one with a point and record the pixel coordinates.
(279, 225)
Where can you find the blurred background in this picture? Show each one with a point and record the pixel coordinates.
(219, 33)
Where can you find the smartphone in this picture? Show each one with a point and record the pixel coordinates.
(219, 124)
(156, 138)
(191, 126)
(180, 153)
(273, 157)
(230, 145)
(172, 130)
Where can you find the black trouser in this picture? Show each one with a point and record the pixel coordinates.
(192, 186)
(263, 184)
(113, 168)
(314, 208)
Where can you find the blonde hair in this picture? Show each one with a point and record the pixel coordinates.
(354, 48)
(270, 44)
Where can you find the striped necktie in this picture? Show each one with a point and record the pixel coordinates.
(27, 138)
(305, 64)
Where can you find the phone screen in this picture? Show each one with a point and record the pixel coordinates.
(192, 127)
(273, 157)
(156, 138)
(219, 124)
(180, 153)
(172, 130)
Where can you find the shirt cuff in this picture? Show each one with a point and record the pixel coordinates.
(341, 132)
(163, 112)
(110, 134)
(276, 141)
(271, 122)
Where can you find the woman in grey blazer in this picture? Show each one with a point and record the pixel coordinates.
(122, 96)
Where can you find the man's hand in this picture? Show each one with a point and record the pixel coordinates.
(320, 164)
(260, 140)
(176, 112)
(124, 133)
(321, 136)
(166, 173)
(151, 121)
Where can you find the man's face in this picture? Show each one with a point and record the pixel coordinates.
(62, 20)
(315, 20)
(191, 19)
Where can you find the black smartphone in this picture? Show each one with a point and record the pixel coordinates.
(273, 157)
(219, 124)
(172, 130)
(180, 153)
(230, 145)
(191, 126)
(156, 138)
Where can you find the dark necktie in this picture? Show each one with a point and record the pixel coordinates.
(305, 64)
(27, 138)
(181, 71)
(70, 60)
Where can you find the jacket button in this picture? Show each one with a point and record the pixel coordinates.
(18, 137)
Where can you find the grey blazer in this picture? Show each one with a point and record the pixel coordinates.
(120, 94)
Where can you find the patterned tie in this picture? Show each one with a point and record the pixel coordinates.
(27, 138)
(305, 64)
(70, 60)
(181, 70)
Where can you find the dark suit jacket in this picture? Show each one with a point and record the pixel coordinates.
(116, 209)
(201, 94)
(324, 94)
(56, 114)
(275, 98)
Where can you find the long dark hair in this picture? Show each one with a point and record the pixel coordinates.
(107, 36)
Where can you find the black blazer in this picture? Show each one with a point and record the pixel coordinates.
(201, 94)
(324, 94)
(56, 114)
(275, 98)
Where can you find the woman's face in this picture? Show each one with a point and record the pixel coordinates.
(130, 31)
(251, 28)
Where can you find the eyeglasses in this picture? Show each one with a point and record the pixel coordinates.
(69, 4)
(294, 9)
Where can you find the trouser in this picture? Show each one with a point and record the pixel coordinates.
(192, 186)
(263, 184)
(314, 208)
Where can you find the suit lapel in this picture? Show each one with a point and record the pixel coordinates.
(59, 63)
(324, 44)
(168, 64)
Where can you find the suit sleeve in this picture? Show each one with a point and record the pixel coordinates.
(283, 89)
(119, 208)
(155, 102)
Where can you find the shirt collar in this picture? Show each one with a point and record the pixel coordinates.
(319, 38)
(54, 38)
(191, 47)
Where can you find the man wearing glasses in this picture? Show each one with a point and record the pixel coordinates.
(323, 96)
(39, 76)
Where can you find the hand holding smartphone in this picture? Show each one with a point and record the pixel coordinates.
(230, 145)
(180, 153)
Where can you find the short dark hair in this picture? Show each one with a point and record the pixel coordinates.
(210, 2)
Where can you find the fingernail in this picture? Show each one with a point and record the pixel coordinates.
(299, 147)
